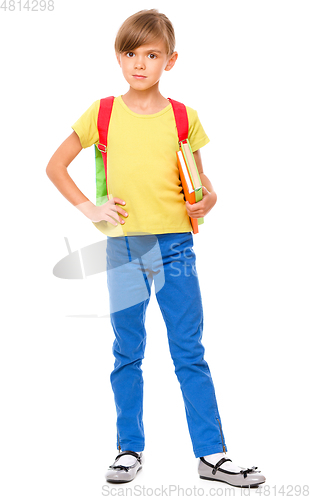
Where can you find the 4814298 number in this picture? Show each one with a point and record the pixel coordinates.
(31, 6)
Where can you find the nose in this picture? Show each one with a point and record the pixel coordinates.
(139, 62)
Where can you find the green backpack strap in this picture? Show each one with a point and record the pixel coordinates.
(103, 120)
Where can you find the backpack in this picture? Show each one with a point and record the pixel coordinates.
(104, 114)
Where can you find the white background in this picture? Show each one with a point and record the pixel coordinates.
(245, 67)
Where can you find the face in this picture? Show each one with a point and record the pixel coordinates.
(143, 67)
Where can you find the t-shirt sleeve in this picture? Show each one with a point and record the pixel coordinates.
(197, 136)
(86, 126)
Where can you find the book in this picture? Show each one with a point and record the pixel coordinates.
(190, 179)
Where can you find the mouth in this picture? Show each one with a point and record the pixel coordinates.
(139, 76)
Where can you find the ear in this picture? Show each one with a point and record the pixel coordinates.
(171, 61)
(118, 56)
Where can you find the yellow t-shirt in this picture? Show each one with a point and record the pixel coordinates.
(142, 165)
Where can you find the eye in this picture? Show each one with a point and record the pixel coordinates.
(131, 53)
(153, 56)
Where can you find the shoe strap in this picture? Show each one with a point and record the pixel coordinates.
(221, 461)
(216, 466)
(133, 453)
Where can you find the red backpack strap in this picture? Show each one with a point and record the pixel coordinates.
(181, 118)
(105, 109)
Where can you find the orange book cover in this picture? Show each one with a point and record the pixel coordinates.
(187, 187)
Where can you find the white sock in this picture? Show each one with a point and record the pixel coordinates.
(127, 460)
(215, 457)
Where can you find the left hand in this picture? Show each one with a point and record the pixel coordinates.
(201, 208)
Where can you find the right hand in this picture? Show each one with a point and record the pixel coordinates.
(108, 211)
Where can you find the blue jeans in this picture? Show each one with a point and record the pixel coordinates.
(133, 263)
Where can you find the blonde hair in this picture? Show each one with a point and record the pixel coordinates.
(144, 27)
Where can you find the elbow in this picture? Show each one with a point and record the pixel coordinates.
(215, 197)
(53, 169)
(49, 168)
(49, 171)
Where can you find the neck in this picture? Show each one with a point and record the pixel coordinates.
(144, 99)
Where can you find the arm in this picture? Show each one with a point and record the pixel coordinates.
(57, 172)
(201, 208)
(56, 169)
